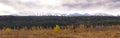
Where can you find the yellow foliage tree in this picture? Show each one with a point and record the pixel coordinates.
(7, 30)
(57, 28)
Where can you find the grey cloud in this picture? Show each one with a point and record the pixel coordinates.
(19, 5)
(29, 5)
(107, 4)
(69, 5)
(76, 3)
(115, 0)
(84, 4)
(115, 6)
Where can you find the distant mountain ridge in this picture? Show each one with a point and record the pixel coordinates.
(57, 14)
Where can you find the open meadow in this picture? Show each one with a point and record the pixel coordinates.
(68, 32)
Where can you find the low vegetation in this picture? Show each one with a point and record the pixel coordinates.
(81, 31)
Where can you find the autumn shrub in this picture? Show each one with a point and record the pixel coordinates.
(7, 30)
(57, 28)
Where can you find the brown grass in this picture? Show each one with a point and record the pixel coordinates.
(98, 32)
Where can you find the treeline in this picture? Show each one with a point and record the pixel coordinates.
(51, 21)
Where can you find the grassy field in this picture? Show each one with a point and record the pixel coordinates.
(68, 32)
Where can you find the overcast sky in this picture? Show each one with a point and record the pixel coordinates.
(25, 7)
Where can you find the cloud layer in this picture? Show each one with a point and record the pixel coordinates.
(23, 7)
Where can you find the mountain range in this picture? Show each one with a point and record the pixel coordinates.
(58, 14)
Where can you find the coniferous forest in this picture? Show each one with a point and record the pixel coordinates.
(51, 21)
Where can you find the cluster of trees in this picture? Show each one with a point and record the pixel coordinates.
(51, 21)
